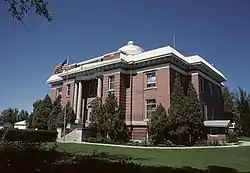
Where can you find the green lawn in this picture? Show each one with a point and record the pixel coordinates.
(237, 158)
(243, 138)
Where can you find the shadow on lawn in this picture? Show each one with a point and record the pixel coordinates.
(116, 157)
(52, 161)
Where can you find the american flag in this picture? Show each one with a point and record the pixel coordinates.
(61, 67)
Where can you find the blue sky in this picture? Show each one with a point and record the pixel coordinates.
(216, 30)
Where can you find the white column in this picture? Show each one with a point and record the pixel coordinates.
(79, 103)
(75, 98)
(99, 87)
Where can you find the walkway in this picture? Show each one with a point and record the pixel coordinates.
(241, 144)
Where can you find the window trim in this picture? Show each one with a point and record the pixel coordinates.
(109, 83)
(150, 82)
(68, 90)
(60, 88)
(146, 107)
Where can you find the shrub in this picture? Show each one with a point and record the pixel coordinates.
(216, 143)
(29, 135)
(232, 137)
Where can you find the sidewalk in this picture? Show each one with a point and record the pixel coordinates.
(242, 144)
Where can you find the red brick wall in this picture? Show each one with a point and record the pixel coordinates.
(69, 98)
(121, 83)
(219, 137)
(213, 101)
(140, 93)
(139, 133)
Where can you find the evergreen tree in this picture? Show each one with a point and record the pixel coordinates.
(194, 115)
(158, 125)
(36, 110)
(115, 124)
(42, 113)
(71, 117)
(29, 121)
(243, 109)
(229, 106)
(53, 116)
(98, 119)
(177, 116)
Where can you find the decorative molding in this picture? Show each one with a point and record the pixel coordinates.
(57, 86)
(151, 68)
(205, 76)
(68, 82)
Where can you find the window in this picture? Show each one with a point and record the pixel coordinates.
(204, 110)
(58, 92)
(150, 107)
(151, 79)
(68, 90)
(111, 82)
(210, 85)
(92, 88)
(202, 85)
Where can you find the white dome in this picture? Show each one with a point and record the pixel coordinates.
(131, 49)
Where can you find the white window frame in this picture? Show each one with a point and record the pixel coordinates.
(202, 85)
(68, 89)
(146, 107)
(111, 82)
(57, 91)
(151, 80)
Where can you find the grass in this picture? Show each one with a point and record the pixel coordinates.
(237, 158)
(243, 138)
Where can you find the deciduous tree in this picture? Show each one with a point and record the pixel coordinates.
(19, 8)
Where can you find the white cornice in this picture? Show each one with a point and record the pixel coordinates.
(205, 76)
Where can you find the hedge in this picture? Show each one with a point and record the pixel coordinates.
(28, 135)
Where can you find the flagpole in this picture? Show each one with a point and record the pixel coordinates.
(65, 112)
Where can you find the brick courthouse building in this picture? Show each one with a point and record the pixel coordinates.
(140, 80)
